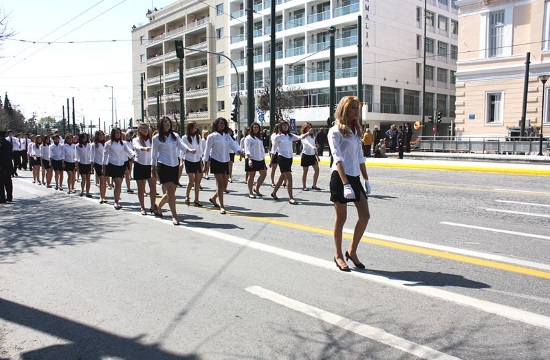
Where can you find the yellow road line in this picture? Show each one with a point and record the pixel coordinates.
(411, 248)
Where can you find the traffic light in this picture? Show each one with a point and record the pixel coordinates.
(430, 119)
(179, 48)
(439, 116)
(234, 116)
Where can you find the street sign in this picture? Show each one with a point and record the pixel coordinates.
(261, 118)
(292, 123)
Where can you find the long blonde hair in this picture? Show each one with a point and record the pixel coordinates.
(342, 121)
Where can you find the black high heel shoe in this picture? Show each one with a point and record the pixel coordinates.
(342, 268)
(358, 265)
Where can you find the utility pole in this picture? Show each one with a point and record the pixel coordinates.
(424, 72)
(273, 79)
(359, 59)
(525, 90)
(332, 72)
(68, 116)
(142, 100)
(63, 120)
(74, 121)
(180, 55)
(250, 101)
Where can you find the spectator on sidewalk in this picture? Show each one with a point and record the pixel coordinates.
(320, 141)
(6, 158)
(367, 140)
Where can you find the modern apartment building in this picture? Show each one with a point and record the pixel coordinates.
(392, 51)
(494, 39)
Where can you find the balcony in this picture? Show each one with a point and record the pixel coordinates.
(175, 32)
(278, 27)
(258, 58)
(237, 14)
(346, 10)
(346, 41)
(257, 33)
(154, 80)
(172, 76)
(316, 47)
(197, 115)
(170, 56)
(319, 76)
(155, 59)
(313, 18)
(196, 70)
(300, 50)
(296, 79)
(199, 46)
(258, 84)
(346, 73)
(196, 93)
(278, 55)
(238, 38)
(295, 23)
(239, 62)
(257, 7)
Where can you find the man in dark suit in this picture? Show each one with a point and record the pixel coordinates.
(6, 157)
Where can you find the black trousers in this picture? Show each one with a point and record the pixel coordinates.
(24, 160)
(6, 186)
(16, 161)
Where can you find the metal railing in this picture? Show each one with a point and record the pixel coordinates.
(477, 145)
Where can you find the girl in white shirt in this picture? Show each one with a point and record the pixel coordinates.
(114, 157)
(36, 160)
(206, 169)
(142, 168)
(84, 163)
(46, 167)
(128, 164)
(69, 158)
(282, 145)
(273, 156)
(56, 160)
(218, 145)
(193, 162)
(98, 147)
(344, 140)
(255, 160)
(165, 158)
(309, 156)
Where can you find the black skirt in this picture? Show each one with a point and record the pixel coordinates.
(337, 188)
(217, 167)
(142, 172)
(192, 167)
(115, 171)
(308, 160)
(46, 164)
(256, 166)
(36, 162)
(84, 169)
(231, 157)
(57, 165)
(275, 159)
(99, 169)
(69, 166)
(168, 173)
(285, 164)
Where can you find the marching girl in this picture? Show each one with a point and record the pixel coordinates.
(97, 160)
(231, 159)
(282, 145)
(56, 161)
(114, 157)
(46, 167)
(84, 163)
(216, 153)
(165, 152)
(309, 156)
(36, 160)
(206, 171)
(76, 174)
(193, 162)
(273, 156)
(128, 137)
(142, 168)
(344, 139)
(255, 159)
(69, 158)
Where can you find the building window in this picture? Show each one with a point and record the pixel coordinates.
(418, 42)
(142, 58)
(453, 77)
(389, 100)
(442, 75)
(418, 70)
(442, 104)
(429, 72)
(452, 106)
(546, 30)
(220, 105)
(444, 2)
(454, 52)
(442, 49)
(454, 27)
(493, 106)
(219, 9)
(496, 33)
(221, 59)
(545, 110)
(412, 102)
(142, 39)
(430, 18)
(418, 14)
(220, 81)
(219, 33)
(429, 103)
(430, 45)
(442, 23)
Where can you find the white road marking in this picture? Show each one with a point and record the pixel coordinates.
(454, 250)
(521, 203)
(358, 328)
(521, 296)
(497, 230)
(524, 191)
(518, 213)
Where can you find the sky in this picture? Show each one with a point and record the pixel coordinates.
(65, 48)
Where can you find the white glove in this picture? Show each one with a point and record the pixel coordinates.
(367, 187)
(348, 192)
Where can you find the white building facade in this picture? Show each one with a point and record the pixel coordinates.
(392, 50)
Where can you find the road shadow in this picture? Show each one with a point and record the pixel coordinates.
(87, 343)
(428, 278)
(382, 197)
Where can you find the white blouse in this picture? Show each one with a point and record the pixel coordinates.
(69, 153)
(308, 146)
(346, 150)
(143, 157)
(114, 153)
(194, 144)
(254, 148)
(97, 153)
(84, 154)
(45, 152)
(219, 145)
(167, 152)
(282, 144)
(56, 152)
(34, 150)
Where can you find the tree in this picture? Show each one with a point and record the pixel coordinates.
(4, 32)
(287, 98)
(11, 118)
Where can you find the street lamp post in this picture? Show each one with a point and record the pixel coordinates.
(112, 105)
(543, 79)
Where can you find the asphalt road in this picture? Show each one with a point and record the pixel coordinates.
(457, 267)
